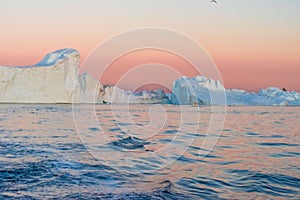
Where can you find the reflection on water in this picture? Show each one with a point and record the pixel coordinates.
(42, 156)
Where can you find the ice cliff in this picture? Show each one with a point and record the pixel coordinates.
(55, 80)
(50, 81)
(199, 90)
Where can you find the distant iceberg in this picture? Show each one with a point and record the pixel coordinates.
(92, 91)
(200, 90)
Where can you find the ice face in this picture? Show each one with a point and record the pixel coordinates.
(52, 80)
(55, 80)
(198, 90)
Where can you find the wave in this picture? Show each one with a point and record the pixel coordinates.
(130, 143)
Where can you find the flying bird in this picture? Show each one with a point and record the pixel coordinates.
(213, 1)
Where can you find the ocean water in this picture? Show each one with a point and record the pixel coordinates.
(155, 152)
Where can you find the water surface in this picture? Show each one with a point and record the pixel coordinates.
(43, 157)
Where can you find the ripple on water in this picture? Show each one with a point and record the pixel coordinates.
(271, 184)
(286, 154)
(130, 143)
(277, 144)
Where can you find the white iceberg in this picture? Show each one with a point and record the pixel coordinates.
(55, 80)
(90, 90)
(50, 81)
(281, 97)
(113, 94)
(198, 90)
(202, 90)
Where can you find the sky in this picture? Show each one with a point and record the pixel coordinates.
(254, 43)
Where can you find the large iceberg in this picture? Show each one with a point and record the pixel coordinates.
(50, 81)
(198, 90)
(205, 91)
(55, 80)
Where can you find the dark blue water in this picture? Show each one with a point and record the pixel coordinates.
(43, 157)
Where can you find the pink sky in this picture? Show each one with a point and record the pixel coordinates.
(255, 44)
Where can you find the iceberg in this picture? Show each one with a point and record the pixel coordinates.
(55, 79)
(50, 81)
(200, 90)
(90, 90)
(113, 94)
(281, 97)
